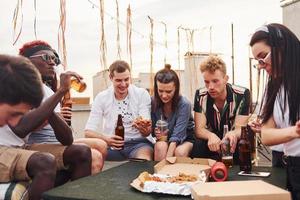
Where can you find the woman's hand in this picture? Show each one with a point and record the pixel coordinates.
(255, 125)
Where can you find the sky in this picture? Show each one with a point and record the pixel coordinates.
(83, 31)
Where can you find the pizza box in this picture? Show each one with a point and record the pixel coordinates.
(238, 190)
(173, 166)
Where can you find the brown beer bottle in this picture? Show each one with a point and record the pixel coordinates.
(67, 102)
(252, 140)
(120, 130)
(244, 151)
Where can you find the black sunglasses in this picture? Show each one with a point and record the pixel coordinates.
(47, 58)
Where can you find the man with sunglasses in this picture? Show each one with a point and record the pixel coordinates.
(216, 105)
(71, 161)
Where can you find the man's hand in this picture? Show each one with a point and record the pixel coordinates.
(232, 137)
(66, 113)
(214, 143)
(65, 79)
(115, 141)
(143, 125)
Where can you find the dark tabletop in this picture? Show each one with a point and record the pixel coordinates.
(115, 183)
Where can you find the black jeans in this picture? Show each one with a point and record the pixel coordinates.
(293, 176)
(277, 157)
(201, 150)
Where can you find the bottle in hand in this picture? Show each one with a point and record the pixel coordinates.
(227, 156)
(120, 130)
(67, 103)
(244, 151)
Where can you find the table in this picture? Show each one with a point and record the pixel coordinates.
(114, 183)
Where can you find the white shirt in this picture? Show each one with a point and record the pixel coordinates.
(9, 138)
(291, 148)
(45, 134)
(105, 109)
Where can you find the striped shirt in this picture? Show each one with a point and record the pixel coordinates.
(237, 103)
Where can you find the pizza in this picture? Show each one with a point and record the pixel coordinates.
(180, 178)
(140, 121)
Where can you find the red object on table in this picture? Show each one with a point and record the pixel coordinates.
(219, 172)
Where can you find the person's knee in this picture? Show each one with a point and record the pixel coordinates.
(101, 146)
(161, 146)
(97, 161)
(41, 164)
(78, 153)
(144, 153)
(180, 153)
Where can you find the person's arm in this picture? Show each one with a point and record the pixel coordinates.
(270, 135)
(171, 149)
(234, 135)
(38, 116)
(213, 141)
(113, 141)
(179, 133)
(144, 111)
(62, 131)
(241, 119)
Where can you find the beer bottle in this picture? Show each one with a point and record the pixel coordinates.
(252, 140)
(227, 157)
(78, 85)
(67, 102)
(120, 130)
(244, 151)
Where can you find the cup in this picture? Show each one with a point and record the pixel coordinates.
(162, 127)
(227, 156)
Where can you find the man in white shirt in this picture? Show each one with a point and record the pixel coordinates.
(129, 101)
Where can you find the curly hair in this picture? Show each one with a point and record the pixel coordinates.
(213, 63)
(23, 51)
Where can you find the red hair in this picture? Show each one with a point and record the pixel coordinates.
(32, 44)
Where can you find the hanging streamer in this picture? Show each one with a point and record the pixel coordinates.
(18, 8)
(129, 33)
(103, 48)
(61, 33)
(190, 39)
(210, 39)
(118, 30)
(166, 42)
(178, 46)
(35, 34)
(151, 55)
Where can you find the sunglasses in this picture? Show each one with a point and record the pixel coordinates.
(47, 58)
(262, 61)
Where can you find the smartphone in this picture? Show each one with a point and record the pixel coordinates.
(257, 174)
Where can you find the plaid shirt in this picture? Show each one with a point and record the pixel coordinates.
(237, 103)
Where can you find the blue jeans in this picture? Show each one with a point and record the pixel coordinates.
(131, 147)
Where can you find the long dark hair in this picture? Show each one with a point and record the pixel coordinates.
(285, 61)
(166, 75)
